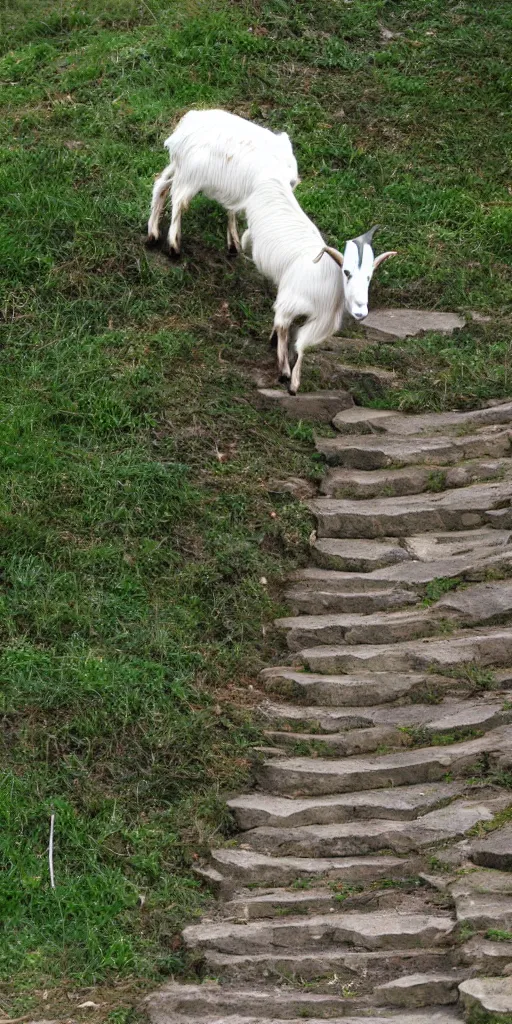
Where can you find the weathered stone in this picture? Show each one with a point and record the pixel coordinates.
(360, 838)
(281, 901)
(425, 424)
(339, 690)
(379, 452)
(379, 930)
(403, 803)
(414, 990)
(345, 744)
(323, 966)
(217, 1001)
(486, 956)
(485, 602)
(379, 628)
(294, 485)
(387, 483)
(500, 518)
(429, 547)
(358, 555)
(371, 379)
(317, 602)
(495, 851)
(392, 324)
(302, 776)
(361, 421)
(485, 647)
(492, 995)
(417, 513)
(321, 406)
(249, 867)
(483, 912)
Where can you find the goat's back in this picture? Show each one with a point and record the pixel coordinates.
(225, 156)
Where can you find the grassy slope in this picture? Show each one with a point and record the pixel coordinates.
(136, 519)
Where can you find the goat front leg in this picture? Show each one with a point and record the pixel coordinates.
(234, 244)
(294, 384)
(283, 365)
(180, 198)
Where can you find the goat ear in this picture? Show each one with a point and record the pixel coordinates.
(333, 253)
(383, 256)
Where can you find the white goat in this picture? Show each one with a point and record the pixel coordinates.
(224, 156)
(287, 248)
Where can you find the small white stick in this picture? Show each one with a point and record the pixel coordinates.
(50, 852)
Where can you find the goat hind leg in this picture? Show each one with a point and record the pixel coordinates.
(180, 198)
(234, 244)
(282, 354)
(160, 190)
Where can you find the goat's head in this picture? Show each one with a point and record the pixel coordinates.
(357, 263)
(288, 156)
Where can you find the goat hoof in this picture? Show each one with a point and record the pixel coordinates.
(233, 251)
(152, 242)
(292, 391)
(171, 253)
(284, 378)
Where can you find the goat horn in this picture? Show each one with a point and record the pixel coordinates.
(336, 256)
(365, 239)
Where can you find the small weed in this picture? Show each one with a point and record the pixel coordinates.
(436, 480)
(498, 935)
(438, 587)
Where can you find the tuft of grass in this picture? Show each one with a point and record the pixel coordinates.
(437, 588)
(498, 935)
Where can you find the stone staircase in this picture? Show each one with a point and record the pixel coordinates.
(372, 874)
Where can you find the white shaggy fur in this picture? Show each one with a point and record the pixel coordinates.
(225, 157)
(287, 248)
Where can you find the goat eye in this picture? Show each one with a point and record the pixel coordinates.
(348, 275)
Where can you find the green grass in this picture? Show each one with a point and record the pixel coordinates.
(135, 514)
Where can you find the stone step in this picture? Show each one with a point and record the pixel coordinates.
(426, 1018)
(316, 602)
(389, 483)
(494, 850)
(418, 513)
(478, 565)
(325, 969)
(341, 744)
(482, 604)
(486, 956)
(303, 776)
(388, 325)
(362, 690)
(218, 1002)
(404, 803)
(415, 990)
(364, 421)
(250, 868)
(362, 838)
(357, 555)
(483, 899)
(487, 999)
(378, 930)
(281, 902)
(372, 452)
(319, 406)
(433, 547)
(484, 648)
(377, 628)
(445, 718)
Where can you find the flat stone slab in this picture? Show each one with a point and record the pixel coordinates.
(249, 867)
(483, 912)
(485, 648)
(486, 956)
(339, 690)
(413, 990)
(393, 324)
(379, 930)
(320, 406)
(430, 1018)
(381, 451)
(303, 776)
(373, 380)
(358, 555)
(386, 483)
(493, 995)
(214, 1000)
(403, 804)
(362, 838)
(429, 547)
(418, 513)
(364, 421)
(495, 851)
(320, 602)
(379, 628)
(484, 602)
